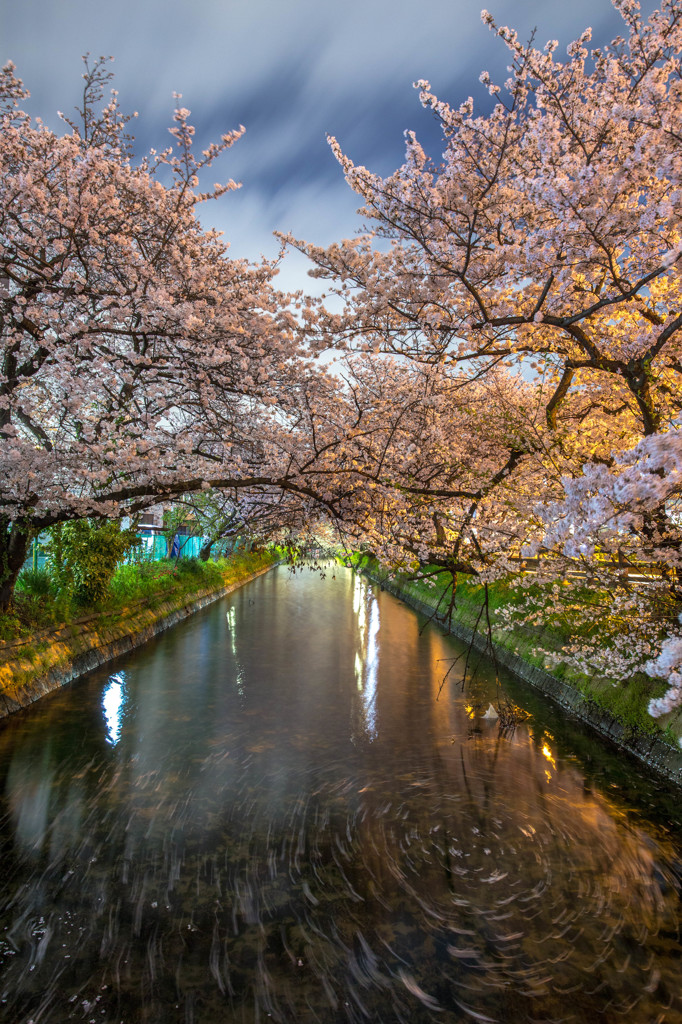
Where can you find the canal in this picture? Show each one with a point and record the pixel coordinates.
(270, 814)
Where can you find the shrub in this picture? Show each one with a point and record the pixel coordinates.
(190, 567)
(10, 627)
(35, 582)
(83, 556)
(127, 583)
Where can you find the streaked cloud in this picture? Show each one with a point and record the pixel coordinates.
(290, 72)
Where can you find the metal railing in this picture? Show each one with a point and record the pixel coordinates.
(626, 571)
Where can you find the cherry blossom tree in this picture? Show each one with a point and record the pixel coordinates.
(259, 513)
(547, 239)
(138, 361)
(550, 231)
(630, 510)
(417, 461)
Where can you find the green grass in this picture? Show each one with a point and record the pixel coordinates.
(40, 612)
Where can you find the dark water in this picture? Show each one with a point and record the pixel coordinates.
(267, 815)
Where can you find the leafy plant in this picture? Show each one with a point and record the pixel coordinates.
(173, 519)
(35, 582)
(190, 567)
(83, 556)
(11, 627)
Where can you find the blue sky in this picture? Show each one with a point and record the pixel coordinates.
(290, 71)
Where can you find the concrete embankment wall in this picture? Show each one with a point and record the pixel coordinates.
(658, 755)
(72, 651)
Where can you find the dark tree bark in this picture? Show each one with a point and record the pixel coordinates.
(15, 539)
(205, 550)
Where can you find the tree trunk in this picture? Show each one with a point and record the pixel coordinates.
(205, 550)
(14, 542)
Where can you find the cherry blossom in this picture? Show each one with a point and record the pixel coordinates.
(539, 259)
(139, 360)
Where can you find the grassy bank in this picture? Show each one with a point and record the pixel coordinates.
(626, 701)
(44, 634)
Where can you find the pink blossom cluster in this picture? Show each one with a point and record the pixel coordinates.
(668, 666)
(532, 275)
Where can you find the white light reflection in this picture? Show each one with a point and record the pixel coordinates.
(371, 669)
(112, 706)
(366, 666)
(232, 625)
(359, 610)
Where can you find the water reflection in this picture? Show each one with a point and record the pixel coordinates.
(231, 617)
(113, 697)
(28, 789)
(366, 661)
(371, 670)
(241, 826)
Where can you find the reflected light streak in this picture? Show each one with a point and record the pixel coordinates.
(113, 697)
(366, 661)
(372, 667)
(357, 594)
(358, 671)
(359, 610)
(549, 755)
(232, 626)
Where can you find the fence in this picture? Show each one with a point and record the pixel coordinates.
(626, 571)
(151, 548)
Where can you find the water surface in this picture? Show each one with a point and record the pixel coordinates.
(267, 814)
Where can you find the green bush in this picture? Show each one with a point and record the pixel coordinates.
(10, 627)
(83, 557)
(35, 582)
(128, 583)
(190, 567)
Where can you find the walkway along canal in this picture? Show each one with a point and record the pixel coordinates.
(266, 814)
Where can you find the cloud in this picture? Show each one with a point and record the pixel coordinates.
(290, 72)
